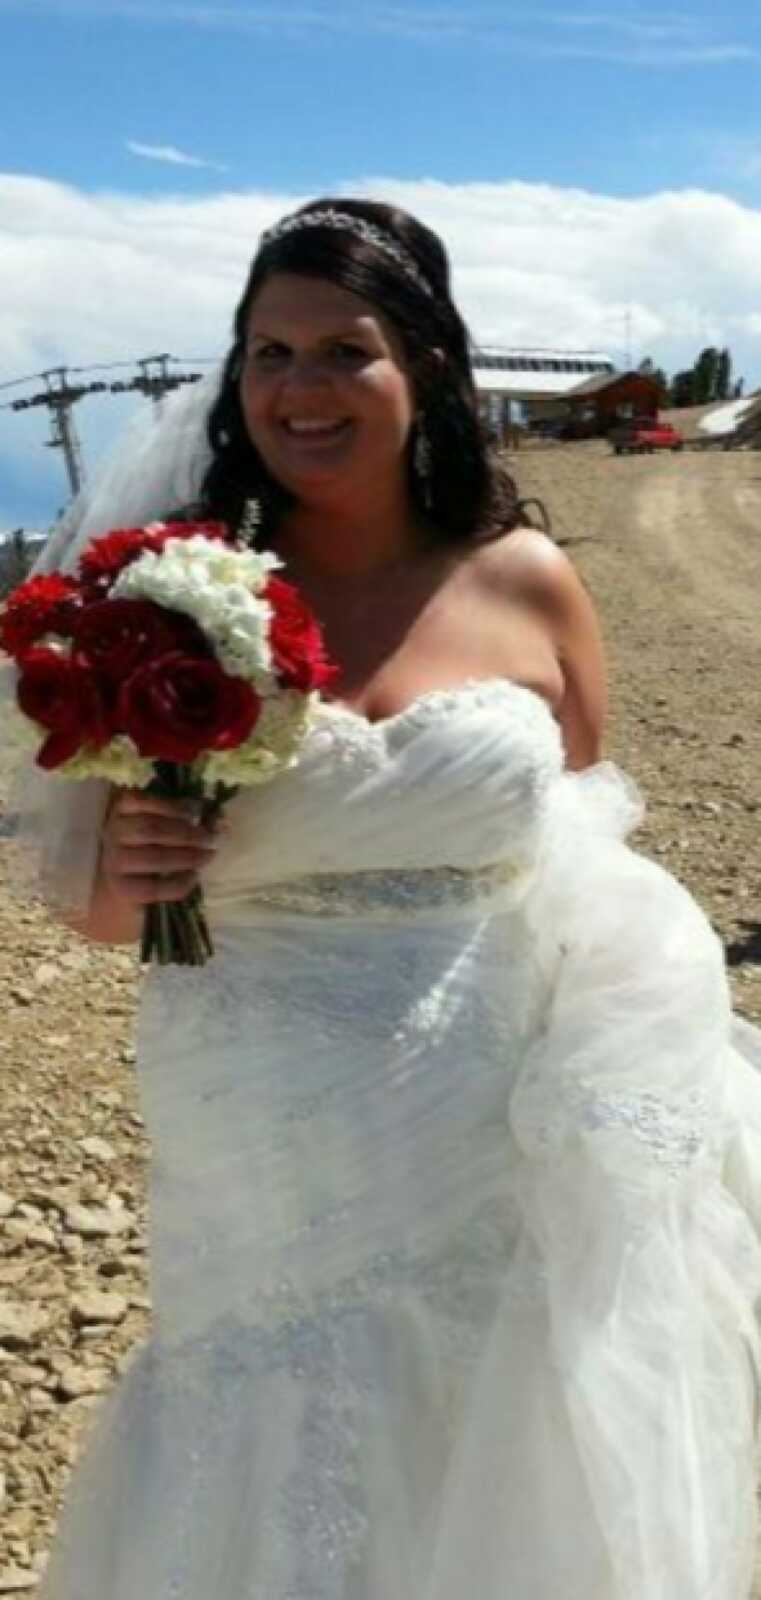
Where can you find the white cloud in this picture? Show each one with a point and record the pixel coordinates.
(642, 54)
(646, 39)
(170, 154)
(107, 277)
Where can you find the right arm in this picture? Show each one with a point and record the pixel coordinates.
(151, 850)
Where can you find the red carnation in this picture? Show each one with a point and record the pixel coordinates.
(296, 640)
(61, 695)
(46, 604)
(106, 557)
(176, 707)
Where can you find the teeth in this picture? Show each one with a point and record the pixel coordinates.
(311, 426)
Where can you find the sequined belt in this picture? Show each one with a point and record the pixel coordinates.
(384, 893)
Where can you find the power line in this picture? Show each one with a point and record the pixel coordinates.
(103, 366)
(14, 383)
(114, 366)
(59, 396)
(154, 384)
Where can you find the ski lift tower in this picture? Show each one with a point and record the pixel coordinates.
(60, 397)
(154, 380)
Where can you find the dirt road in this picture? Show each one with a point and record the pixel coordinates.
(671, 549)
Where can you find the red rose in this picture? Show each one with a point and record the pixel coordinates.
(47, 604)
(61, 695)
(176, 707)
(296, 640)
(115, 636)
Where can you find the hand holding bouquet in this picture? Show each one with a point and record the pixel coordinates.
(174, 660)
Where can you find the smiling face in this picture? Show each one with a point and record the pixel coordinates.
(324, 388)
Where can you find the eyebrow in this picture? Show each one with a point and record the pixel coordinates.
(341, 331)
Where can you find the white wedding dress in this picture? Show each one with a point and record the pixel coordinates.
(456, 1189)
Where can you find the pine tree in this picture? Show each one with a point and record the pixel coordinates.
(724, 375)
(683, 388)
(706, 371)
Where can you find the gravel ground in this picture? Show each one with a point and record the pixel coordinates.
(671, 549)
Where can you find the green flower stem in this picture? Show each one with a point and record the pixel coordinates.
(165, 949)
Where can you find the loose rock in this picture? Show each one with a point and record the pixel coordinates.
(14, 1579)
(97, 1307)
(74, 1382)
(96, 1222)
(21, 1326)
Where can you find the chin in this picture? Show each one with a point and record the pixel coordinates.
(313, 474)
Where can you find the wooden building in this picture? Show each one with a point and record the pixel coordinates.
(596, 404)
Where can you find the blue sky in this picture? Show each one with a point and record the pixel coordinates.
(622, 100)
(566, 153)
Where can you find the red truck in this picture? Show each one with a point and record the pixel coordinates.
(642, 435)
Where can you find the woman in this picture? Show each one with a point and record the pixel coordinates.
(455, 1179)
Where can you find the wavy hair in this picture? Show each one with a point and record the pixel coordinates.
(468, 492)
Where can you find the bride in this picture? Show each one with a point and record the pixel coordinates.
(457, 1148)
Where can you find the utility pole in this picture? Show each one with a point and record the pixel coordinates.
(60, 397)
(628, 338)
(154, 380)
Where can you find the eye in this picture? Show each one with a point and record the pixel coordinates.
(269, 354)
(349, 353)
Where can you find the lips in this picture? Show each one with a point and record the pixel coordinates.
(314, 429)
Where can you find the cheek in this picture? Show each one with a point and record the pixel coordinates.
(392, 401)
(252, 407)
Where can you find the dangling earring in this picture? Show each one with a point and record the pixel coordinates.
(422, 463)
(250, 522)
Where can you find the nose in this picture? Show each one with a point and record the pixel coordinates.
(306, 372)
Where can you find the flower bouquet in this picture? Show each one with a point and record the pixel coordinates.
(172, 660)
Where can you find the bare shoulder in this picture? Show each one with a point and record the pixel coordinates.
(527, 566)
(526, 569)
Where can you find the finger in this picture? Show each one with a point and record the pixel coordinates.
(162, 860)
(148, 828)
(129, 801)
(153, 888)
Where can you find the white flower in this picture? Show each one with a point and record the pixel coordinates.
(222, 562)
(271, 748)
(118, 762)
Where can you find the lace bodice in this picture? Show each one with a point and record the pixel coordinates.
(440, 804)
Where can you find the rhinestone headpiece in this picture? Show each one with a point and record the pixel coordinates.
(368, 232)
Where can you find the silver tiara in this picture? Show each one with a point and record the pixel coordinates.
(328, 217)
